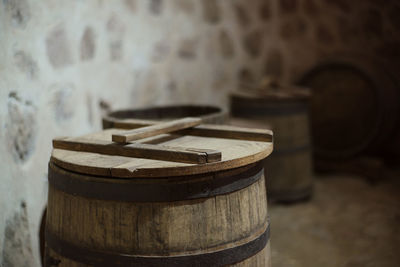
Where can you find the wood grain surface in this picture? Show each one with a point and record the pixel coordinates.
(235, 153)
(190, 229)
(156, 129)
(289, 168)
(139, 150)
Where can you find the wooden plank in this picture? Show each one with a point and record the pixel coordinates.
(212, 155)
(207, 130)
(221, 222)
(229, 132)
(235, 153)
(140, 150)
(152, 130)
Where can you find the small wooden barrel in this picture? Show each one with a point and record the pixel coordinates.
(289, 169)
(209, 114)
(122, 211)
(354, 108)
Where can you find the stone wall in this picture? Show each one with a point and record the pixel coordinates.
(310, 31)
(64, 63)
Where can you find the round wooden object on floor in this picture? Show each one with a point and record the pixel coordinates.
(289, 168)
(209, 114)
(354, 108)
(120, 211)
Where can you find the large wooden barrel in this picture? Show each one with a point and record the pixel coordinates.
(115, 210)
(209, 114)
(289, 168)
(354, 108)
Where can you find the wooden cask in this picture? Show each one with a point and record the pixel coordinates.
(354, 109)
(108, 209)
(209, 114)
(289, 168)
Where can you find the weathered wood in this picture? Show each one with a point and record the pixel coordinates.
(230, 132)
(112, 210)
(207, 130)
(42, 240)
(261, 259)
(208, 114)
(150, 189)
(289, 168)
(156, 129)
(173, 229)
(235, 153)
(139, 150)
(212, 214)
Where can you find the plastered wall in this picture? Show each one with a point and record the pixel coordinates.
(64, 63)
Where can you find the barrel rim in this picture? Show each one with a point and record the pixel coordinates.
(293, 94)
(226, 256)
(208, 112)
(160, 189)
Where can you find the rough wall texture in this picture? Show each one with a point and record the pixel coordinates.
(63, 63)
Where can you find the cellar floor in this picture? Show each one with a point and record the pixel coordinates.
(349, 222)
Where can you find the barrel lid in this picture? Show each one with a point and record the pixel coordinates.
(238, 147)
(292, 94)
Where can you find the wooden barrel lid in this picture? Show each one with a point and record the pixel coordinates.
(236, 150)
(284, 94)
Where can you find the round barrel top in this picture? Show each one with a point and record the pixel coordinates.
(274, 94)
(235, 153)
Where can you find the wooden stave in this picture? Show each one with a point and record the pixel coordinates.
(269, 112)
(209, 114)
(261, 202)
(297, 169)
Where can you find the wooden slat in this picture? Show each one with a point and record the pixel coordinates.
(152, 130)
(230, 132)
(207, 130)
(140, 150)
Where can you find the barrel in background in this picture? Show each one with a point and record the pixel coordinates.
(209, 114)
(355, 108)
(289, 168)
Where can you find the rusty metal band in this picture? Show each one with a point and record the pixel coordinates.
(152, 189)
(240, 109)
(105, 259)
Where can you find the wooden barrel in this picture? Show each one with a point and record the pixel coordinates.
(354, 108)
(41, 235)
(289, 168)
(209, 114)
(117, 210)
